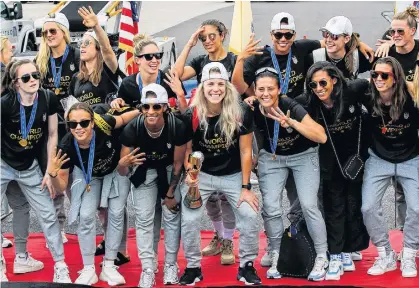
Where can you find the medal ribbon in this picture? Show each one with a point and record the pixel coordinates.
(57, 76)
(25, 129)
(140, 82)
(284, 89)
(88, 175)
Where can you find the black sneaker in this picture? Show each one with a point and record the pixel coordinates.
(100, 249)
(191, 276)
(248, 274)
(121, 259)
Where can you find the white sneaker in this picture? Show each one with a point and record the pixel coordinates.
(65, 240)
(319, 270)
(335, 267)
(347, 262)
(147, 279)
(6, 243)
(111, 275)
(408, 266)
(273, 273)
(266, 260)
(170, 274)
(383, 263)
(356, 256)
(87, 276)
(3, 270)
(26, 264)
(156, 263)
(61, 273)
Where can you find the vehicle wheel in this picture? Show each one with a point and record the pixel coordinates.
(31, 45)
(172, 56)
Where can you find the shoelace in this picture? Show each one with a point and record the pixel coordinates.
(334, 263)
(63, 272)
(347, 257)
(147, 280)
(318, 265)
(381, 262)
(228, 247)
(171, 271)
(409, 263)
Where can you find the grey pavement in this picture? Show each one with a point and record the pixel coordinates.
(309, 17)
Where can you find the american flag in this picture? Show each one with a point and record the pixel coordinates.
(128, 28)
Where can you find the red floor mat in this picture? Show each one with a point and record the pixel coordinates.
(214, 273)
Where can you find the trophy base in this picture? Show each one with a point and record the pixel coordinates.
(193, 203)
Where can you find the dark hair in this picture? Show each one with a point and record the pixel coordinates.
(222, 29)
(80, 106)
(400, 92)
(350, 47)
(338, 88)
(10, 73)
(268, 74)
(150, 94)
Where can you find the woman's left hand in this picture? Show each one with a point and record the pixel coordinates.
(47, 182)
(249, 197)
(277, 115)
(367, 51)
(174, 82)
(89, 17)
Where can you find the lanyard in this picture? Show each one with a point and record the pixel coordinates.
(140, 82)
(88, 175)
(25, 129)
(57, 76)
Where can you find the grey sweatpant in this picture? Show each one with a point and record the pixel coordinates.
(219, 209)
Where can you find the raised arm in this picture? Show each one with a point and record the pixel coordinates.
(125, 118)
(187, 72)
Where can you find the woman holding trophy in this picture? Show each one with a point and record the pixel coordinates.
(220, 130)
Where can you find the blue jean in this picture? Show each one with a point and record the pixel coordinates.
(144, 201)
(39, 199)
(377, 177)
(246, 218)
(273, 175)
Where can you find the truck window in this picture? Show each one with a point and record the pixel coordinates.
(4, 10)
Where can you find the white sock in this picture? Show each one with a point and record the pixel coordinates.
(228, 234)
(108, 263)
(90, 267)
(21, 257)
(322, 255)
(60, 264)
(219, 227)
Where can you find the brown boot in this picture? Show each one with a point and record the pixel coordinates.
(227, 255)
(213, 247)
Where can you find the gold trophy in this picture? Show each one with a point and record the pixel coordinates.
(193, 199)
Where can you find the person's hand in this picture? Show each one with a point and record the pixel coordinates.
(131, 159)
(191, 182)
(383, 46)
(251, 48)
(174, 83)
(171, 204)
(89, 17)
(249, 101)
(249, 197)
(367, 51)
(57, 162)
(117, 103)
(195, 36)
(277, 115)
(47, 182)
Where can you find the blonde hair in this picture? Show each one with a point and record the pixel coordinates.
(351, 46)
(411, 15)
(140, 41)
(96, 76)
(231, 116)
(3, 41)
(416, 85)
(42, 58)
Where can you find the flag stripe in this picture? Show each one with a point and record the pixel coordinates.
(128, 28)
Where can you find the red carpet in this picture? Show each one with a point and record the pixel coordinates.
(214, 273)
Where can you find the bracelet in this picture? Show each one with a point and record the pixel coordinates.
(56, 174)
(168, 197)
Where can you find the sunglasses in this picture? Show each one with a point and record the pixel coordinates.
(27, 77)
(327, 34)
(52, 31)
(156, 107)
(211, 36)
(149, 56)
(314, 84)
(84, 43)
(287, 35)
(384, 75)
(266, 69)
(83, 123)
(399, 31)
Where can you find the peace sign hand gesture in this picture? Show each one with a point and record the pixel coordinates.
(89, 17)
(277, 115)
(57, 162)
(251, 48)
(131, 159)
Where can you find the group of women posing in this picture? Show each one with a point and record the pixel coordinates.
(56, 142)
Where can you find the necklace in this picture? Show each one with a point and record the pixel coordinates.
(272, 142)
(384, 129)
(154, 134)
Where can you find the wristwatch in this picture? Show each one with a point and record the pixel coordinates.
(248, 186)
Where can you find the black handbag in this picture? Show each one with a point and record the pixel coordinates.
(297, 254)
(354, 164)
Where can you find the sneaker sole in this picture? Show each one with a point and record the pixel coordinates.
(228, 261)
(242, 279)
(7, 246)
(387, 270)
(25, 270)
(170, 283)
(91, 282)
(349, 268)
(211, 253)
(197, 279)
(317, 279)
(105, 278)
(410, 276)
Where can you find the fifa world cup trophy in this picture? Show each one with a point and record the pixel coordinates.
(193, 199)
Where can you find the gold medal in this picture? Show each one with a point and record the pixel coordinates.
(273, 157)
(57, 91)
(283, 95)
(23, 142)
(88, 187)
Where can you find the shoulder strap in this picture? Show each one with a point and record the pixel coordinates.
(172, 127)
(113, 83)
(140, 126)
(195, 119)
(319, 55)
(47, 97)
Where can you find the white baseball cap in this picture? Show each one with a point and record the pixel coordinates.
(92, 34)
(208, 74)
(154, 89)
(338, 25)
(286, 19)
(59, 18)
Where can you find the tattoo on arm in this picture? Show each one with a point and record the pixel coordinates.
(174, 179)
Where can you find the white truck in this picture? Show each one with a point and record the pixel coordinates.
(21, 33)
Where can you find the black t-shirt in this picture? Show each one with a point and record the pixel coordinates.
(86, 92)
(107, 148)
(408, 61)
(364, 64)
(400, 142)
(219, 159)
(18, 157)
(345, 129)
(70, 67)
(130, 93)
(200, 61)
(290, 141)
(300, 49)
(158, 150)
